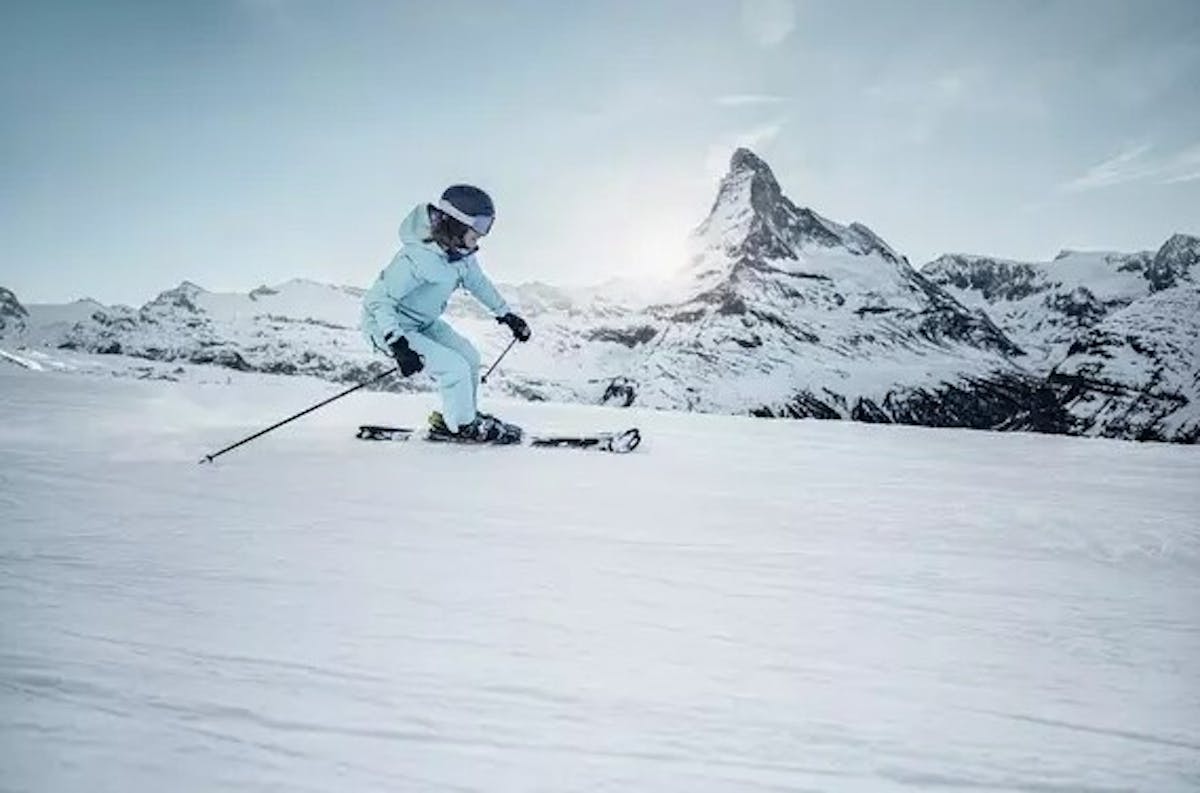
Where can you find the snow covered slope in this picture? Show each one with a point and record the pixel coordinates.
(1137, 373)
(926, 609)
(298, 327)
(1046, 306)
(1120, 330)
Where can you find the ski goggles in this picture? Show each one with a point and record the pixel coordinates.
(481, 223)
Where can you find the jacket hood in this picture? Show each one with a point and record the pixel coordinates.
(414, 229)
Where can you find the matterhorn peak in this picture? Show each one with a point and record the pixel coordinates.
(745, 160)
(749, 177)
(748, 190)
(752, 218)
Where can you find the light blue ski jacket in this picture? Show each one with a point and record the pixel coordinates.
(412, 291)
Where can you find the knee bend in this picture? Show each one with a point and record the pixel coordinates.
(472, 359)
(459, 370)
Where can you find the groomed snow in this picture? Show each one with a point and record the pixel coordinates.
(741, 605)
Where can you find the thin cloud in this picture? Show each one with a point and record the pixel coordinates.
(1186, 166)
(1136, 163)
(740, 100)
(758, 136)
(944, 89)
(768, 22)
(1126, 166)
(920, 106)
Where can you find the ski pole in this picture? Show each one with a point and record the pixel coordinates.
(208, 458)
(498, 360)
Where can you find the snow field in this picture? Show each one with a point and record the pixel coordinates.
(740, 605)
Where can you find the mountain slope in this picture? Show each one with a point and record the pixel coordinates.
(1136, 374)
(930, 610)
(784, 312)
(12, 314)
(1047, 306)
(1118, 330)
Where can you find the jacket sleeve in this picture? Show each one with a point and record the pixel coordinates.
(484, 290)
(396, 281)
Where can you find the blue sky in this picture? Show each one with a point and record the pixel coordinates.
(239, 142)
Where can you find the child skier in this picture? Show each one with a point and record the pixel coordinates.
(402, 310)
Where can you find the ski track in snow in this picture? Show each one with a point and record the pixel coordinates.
(19, 360)
(739, 605)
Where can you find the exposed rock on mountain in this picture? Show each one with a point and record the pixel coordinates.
(12, 313)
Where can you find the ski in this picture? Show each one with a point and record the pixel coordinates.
(614, 442)
(376, 432)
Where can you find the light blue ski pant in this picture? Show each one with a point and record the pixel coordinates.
(454, 364)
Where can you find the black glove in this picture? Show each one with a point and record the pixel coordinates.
(518, 326)
(410, 363)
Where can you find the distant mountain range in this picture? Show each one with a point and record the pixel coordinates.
(779, 312)
(1117, 334)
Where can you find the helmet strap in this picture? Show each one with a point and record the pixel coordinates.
(448, 233)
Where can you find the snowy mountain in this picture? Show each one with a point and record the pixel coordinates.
(1046, 306)
(1124, 325)
(1136, 374)
(12, 313)
(779, 312)
(783, 312)
(298, 327)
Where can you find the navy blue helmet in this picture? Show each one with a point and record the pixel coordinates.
(470, 206)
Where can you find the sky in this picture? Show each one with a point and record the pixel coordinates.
(240, 142)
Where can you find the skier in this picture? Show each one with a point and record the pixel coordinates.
(402, 310)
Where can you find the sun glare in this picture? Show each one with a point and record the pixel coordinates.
(657, 250)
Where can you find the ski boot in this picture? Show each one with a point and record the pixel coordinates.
(484, 429)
